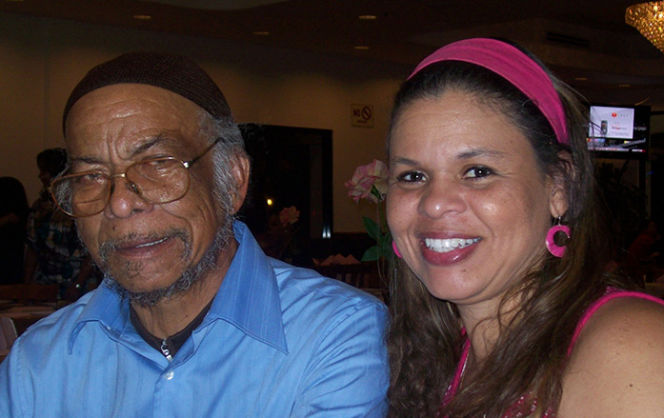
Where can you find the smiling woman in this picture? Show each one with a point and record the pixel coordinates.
(456, 193)
(488, 161)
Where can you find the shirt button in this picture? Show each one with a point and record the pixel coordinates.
(169, 375)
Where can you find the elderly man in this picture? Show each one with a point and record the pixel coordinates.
(192, 320)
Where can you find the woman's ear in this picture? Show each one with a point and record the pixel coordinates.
(558, 202)
(558, 181)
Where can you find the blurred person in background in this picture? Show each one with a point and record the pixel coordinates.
(13, 214)
(54, 253)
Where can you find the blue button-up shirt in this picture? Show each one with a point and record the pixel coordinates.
(278, 341)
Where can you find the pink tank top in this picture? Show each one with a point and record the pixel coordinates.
(517, 410)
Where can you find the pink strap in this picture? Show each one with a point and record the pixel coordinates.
(456, 381)
(514, 66)
(610, 295)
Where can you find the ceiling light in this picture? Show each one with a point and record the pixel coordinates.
(142, 17)
(361, 47)
(581, 78)
(648, 18)
(367, 17)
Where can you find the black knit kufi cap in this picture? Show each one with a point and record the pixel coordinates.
(176, 73)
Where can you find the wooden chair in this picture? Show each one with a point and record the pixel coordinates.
(358, 275)
(8, 335)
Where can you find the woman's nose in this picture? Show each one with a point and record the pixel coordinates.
(440, 198)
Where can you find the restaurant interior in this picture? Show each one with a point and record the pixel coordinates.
(311, 84)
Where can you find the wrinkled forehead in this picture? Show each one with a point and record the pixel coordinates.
(132, 112)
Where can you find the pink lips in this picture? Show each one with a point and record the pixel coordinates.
(449, 257)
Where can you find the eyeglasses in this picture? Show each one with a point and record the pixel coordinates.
(157, 180)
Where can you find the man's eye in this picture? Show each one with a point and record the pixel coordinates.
(158, 164)
(90, 178)
(478, 172)
(411, 177)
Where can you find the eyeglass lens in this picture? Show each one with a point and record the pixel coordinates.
(160, 180)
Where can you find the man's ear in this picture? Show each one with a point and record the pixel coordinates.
(558, 193)
(241, 170)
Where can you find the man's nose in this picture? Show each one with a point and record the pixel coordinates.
(124, 198)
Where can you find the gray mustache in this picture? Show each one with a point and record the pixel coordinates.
(108, 247)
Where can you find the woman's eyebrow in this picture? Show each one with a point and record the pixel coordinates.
(464, 155)
(479, 152)
(403, 160)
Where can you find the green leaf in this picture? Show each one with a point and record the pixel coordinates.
(388, 253)
(385, 240)
(372, 228)
(371, 254)
(376, 193)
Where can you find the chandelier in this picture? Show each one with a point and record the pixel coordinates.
(648, 18)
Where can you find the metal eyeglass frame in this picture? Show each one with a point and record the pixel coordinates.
(135, 189)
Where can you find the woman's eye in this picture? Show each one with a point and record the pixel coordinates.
(411, 177)
(478, 172)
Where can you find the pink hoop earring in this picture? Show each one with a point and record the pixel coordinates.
(395, 249)
(555, 249)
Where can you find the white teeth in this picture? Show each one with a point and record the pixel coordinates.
(447, 245)
(150, 244)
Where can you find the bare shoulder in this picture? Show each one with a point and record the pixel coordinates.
(617, 366)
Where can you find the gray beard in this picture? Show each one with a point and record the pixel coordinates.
(189, 277)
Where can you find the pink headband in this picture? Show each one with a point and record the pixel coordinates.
(514, 66)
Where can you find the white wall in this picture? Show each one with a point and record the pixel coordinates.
(42, 59)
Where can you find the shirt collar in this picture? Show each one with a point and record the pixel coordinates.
(247, 299)
(249, 296)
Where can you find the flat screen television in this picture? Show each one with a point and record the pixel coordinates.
(623, 129)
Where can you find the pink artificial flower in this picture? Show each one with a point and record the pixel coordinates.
(289, 215)
(366, 177)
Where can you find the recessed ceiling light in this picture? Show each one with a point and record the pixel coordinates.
(624, 85)
(142, 17)
(367, 17)
(361, 47)
(261, 33)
